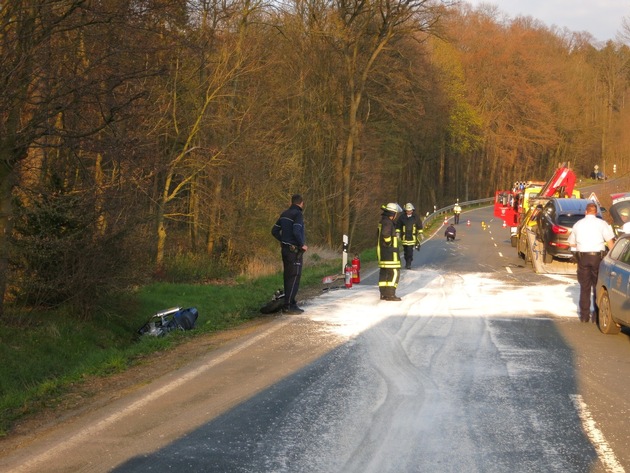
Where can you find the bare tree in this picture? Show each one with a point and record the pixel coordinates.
(367, 29)
(624, 34)
(50, 84)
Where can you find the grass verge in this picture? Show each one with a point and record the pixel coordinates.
(45, 353)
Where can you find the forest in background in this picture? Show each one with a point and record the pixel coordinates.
(139, 135)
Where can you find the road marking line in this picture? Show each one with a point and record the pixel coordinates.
(508, 269)
(605, 453)
(103, 424)
(500, 254)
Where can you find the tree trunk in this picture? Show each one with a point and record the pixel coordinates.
(347, 163)
(193, 210)
(161, 238)
(99, 182)
(6, 226)
(215, 209)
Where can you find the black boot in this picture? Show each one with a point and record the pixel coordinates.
(390, 294)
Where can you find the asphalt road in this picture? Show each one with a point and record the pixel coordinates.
(482, 367)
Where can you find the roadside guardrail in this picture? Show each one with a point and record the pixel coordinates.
(428, 220)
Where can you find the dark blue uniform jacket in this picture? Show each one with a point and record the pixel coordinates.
(289, 229)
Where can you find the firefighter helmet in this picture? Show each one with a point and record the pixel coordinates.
(409, 206)
(392, 207)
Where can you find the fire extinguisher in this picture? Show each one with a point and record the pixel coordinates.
(356, 270)
(348, 276)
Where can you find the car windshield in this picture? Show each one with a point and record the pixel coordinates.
(618, 249)
(620, 212)
(569, 220)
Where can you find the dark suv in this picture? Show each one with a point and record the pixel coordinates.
(555, 223)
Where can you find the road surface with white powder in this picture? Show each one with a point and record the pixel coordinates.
(482, 367)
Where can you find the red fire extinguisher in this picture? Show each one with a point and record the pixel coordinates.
(356, 270)
(348, 276)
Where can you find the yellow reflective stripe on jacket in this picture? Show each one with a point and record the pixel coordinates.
(390, 264)
(387, 284)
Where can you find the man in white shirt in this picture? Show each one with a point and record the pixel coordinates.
(588, 240)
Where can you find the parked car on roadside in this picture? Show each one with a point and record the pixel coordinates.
(613, 287)
(620, 211)
(555, 222)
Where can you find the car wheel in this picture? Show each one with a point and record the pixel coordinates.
(606, 323)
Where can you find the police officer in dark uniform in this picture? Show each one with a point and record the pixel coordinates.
(387, 252)
(589, 238)
(289, 231)
(411, 232)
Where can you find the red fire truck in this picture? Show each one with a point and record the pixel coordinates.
(511, 205)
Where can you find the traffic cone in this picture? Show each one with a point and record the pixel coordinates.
(468, 223)
(504, 224)
(445, 220)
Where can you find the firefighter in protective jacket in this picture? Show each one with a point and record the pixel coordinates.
(410, 227)
(387, 252)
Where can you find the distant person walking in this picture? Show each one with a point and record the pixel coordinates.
(387, 253)
(457, 210)
(588, 240)
(289, 231)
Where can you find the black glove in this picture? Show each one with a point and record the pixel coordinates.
(417, 246)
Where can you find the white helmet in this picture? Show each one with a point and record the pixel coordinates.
(392, 207)
(409, 206)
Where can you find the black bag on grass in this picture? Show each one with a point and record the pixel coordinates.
(167, 320)
(186, 318)
(275, 304)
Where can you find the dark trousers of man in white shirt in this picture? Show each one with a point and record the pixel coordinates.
(587, 271)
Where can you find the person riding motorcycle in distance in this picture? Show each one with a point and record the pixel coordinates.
(411, 232)
(387, 252)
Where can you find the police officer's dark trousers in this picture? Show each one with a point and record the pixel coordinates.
(587, 271)
(292, 261)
